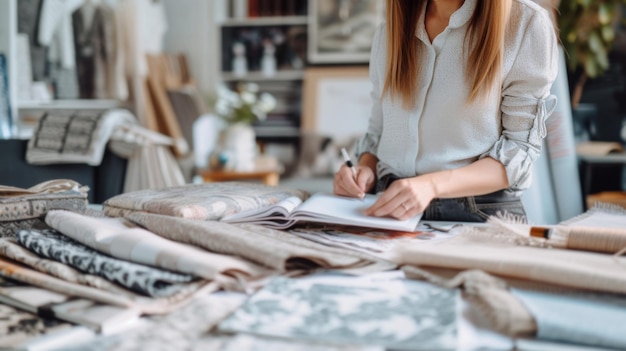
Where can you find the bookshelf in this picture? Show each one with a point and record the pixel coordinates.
(255, 25)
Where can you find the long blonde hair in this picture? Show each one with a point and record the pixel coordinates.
(485, 34)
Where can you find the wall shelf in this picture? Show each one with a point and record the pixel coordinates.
(265, 21)
(68, 104)
(258, 76)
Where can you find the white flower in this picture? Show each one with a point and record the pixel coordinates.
(267, 102)
(248, 97)
(252, 87)
(243, 105)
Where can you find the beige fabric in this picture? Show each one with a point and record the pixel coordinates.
(47, 187)
(145, 305)
(501, 255)
(118, 238)
(491, 305)
(272, 248)
(208, 202)
(151, 164)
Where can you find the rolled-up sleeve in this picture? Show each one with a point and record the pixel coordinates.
(369, 142)
(526, 102)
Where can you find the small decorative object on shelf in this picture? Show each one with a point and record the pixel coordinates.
(268, 62)
(237, 147)
(240, 63)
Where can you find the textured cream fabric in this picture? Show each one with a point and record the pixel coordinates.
(502, 255)
(443, 131)
(277, 249)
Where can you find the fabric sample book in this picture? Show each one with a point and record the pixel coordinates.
(397, 314)
(208, 202)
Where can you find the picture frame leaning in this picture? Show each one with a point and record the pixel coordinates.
(337, 101)
(342, 31)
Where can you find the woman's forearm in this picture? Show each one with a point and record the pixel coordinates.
(368, 160)
(481, 177)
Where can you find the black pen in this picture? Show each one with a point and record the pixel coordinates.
(346, 157)
(349, 163)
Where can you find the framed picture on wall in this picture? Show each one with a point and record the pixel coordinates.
(341, 31)
(337, 101)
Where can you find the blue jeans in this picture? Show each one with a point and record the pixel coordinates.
(466, 209)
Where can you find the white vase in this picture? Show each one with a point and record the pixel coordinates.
(238, 143)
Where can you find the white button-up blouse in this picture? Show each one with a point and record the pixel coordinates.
(444, 131)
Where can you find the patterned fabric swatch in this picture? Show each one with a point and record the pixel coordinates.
(12, 250)
(74, 136)
(394, 313)
(146, 305)
(24, 208)
(17, 328)
(10, 229)
(208, 202)
(272, 248)
(120, 238)
(139, 278)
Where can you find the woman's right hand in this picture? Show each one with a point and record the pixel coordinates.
(345, 184)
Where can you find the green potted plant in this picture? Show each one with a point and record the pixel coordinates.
(587, 30)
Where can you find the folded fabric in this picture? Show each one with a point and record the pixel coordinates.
(61, 194)
(74, 136)
(145, 305)
(10, 229)
(24, 208)
(17, 253)
(121, 239)
(208, 202)
(139, 278)
(151, 163)
(491, 305)
(502, 255)
(272, 248)
(559, 316)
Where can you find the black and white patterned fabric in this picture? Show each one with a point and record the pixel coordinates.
(142, 279)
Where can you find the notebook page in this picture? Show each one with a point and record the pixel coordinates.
(322, 207)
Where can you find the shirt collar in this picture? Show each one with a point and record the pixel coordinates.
(458, 19)
(461, 16)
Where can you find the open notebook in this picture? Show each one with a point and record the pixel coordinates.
(322, 208)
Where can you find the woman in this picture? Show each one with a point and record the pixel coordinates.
(461, 92)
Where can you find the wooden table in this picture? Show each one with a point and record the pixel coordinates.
(267, 176)
(267, 169)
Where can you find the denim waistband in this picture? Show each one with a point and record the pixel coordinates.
(469, 208)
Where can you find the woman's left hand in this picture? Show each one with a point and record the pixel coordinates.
(405, 198)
